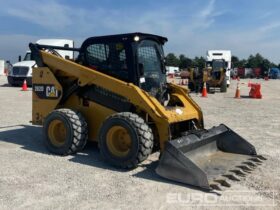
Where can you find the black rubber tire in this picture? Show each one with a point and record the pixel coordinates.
(140, 133)
(10, 81)
(12, 84)
(223, 87)
(76, 131)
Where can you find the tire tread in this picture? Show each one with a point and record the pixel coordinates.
(79, 126)
(145, 136)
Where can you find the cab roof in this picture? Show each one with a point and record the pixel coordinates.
(127, 37)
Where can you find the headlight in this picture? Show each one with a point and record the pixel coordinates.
(136, 38)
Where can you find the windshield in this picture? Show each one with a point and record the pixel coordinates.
(151, 57)
(28, 57)
(218, 64)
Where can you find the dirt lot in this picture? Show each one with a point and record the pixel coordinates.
(32, 178)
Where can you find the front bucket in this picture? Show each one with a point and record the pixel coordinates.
(208, 158)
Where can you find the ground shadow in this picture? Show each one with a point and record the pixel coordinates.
(245, 97)
(11, 86)
(6, 85)
(149, 173)
(241, 97)
(30, 138)
(91, 156)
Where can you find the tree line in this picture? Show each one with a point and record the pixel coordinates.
(253, 61)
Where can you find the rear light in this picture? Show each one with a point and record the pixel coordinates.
(85, 102)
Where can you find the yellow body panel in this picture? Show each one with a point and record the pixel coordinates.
(213, 82)
(95, 114)
(206, 77)
(41, 108)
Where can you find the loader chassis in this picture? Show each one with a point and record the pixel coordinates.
(115, 93)
(216, 75)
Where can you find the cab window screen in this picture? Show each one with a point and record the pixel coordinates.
(109, 58)
(148, 57)
(96, 53)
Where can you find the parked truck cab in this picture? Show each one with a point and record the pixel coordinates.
(22, 70)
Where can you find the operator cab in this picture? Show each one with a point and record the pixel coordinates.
(218, 66)
(137, 58)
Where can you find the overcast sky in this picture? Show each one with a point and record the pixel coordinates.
(192, 26)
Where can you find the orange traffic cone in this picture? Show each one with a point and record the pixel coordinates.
(237, 93)
(204, 90)
(24, 86)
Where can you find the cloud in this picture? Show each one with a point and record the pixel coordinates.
(191, 28)
(56, 16)
(269, 26)
(265, 15)
(49, 14)
(207, 15)
(208, 10)
(14, 45)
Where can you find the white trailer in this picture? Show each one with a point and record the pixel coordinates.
(22, 70)
(223, 55)
(2, 67)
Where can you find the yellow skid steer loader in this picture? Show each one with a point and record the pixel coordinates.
(115, 93)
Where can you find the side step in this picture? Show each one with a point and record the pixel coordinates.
(208, 159)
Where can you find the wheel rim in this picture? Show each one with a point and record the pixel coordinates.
(57, 133)
(118, 141)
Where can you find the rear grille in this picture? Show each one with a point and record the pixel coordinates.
(20, 70)
(19, 79)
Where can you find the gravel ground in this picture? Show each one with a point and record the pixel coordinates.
(32, 178)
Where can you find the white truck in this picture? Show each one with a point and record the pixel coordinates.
(172, 70)
(2, 67)
(22, 70)
(220, 59)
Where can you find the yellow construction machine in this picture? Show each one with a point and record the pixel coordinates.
(214, 77)
(115, 93)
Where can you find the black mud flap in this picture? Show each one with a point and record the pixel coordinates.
(209, 159)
